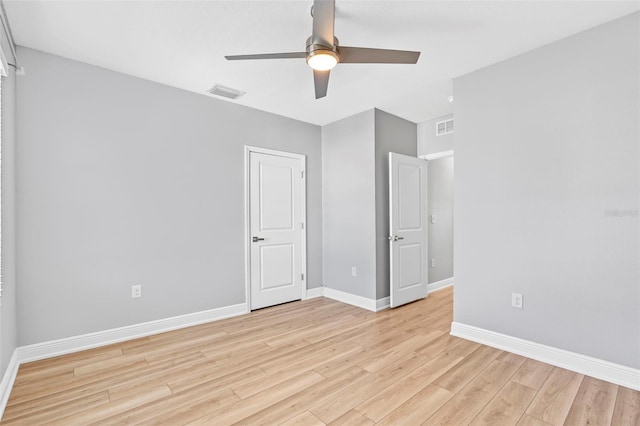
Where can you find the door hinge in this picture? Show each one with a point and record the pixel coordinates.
(302, 174)
(302, 277)
(302, 223)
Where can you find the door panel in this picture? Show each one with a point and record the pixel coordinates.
(276, 266)
(275, 216)
(409, 256)
(409, 183)
(276, 204)
(408, 228)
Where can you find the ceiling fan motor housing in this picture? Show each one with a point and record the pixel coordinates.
(317, 49)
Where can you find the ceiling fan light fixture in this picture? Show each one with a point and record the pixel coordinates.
(322, 60)
(323, 52)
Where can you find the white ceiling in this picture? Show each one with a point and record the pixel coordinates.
(183, 43)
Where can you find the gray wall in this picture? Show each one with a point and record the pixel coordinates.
(392, 134)
(355, 170)
(428, 142)
(348, 199)
(440, 196)
(8, 316)
(123, 181)
(546, 202)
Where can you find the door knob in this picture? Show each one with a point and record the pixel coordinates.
(256, 239)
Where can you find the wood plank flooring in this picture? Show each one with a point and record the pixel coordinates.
(315, 362)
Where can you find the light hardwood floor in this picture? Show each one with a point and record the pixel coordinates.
(314, 362)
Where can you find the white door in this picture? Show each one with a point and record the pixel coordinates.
(408, 228)
(276, 228)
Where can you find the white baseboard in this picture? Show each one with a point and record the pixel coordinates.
(382, 304)
(313, 292)
(594, 367)
(359, 301)
(101, 338)
(8, 379)
(439, 285)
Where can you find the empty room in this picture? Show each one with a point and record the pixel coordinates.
(319, 212)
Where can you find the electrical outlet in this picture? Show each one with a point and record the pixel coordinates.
(136, 291)
(516, 300)
(433, 263)
(354, 271)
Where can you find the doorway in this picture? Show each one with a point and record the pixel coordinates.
(275, 236)
(440, 235)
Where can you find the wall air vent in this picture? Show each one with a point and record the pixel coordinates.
(444, 127)
(224, 91)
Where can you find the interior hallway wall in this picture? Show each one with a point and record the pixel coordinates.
(348, 203)
(440, 236)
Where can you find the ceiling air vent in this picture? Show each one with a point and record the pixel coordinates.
(444, 127)
(226, 92)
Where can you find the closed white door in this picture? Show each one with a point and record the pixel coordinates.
(408, 228)
(276, 229)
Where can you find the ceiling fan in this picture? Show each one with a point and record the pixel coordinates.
(323, 52)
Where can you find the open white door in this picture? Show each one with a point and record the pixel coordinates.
(276, 206)
(408, 228)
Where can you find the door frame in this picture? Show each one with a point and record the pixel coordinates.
(248, 149)
(437, 155)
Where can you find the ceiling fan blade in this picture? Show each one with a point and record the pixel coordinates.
(323, 19)
(363, 55)
(321, 81)
(268, 56)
